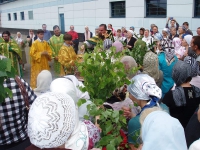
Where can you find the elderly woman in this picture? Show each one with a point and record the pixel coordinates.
(186, 44)
(151, 67)
(165, 33)
(184, 100)
(130, 40)
(160, 131)
(53, 123)
(70, 85)
(167, 60)
(144, 92)
(22, 45)
(44, 80)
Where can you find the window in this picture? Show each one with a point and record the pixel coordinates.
(118, 9)
(197, 8)
(30, 15)
(22, 15)
(9, 17)
(156, 8)
(6, 1)
(15, 16)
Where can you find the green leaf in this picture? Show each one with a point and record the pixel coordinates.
(86, 117)
(110, 147)
(80, 102)
(9, 92)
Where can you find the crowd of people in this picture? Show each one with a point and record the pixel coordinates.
(161, 103)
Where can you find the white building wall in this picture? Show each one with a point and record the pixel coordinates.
(92, 13)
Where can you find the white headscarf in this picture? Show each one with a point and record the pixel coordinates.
(195, 145)
(19, 40)
(160, 131)
(131, 31)
(51, 120)
(188, 39)
(44, 80)
(69, 85)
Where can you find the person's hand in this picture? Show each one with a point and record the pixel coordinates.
(198, 115)
(56, 58)
(44, 53)
(128, 46)
(28, 39)
(127, 112)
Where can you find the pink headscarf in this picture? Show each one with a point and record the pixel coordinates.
(179, 50)
(118, 45)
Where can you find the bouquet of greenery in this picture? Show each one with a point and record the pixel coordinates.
(103, 73)
(23, 44)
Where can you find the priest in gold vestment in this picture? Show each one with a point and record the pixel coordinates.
(41, 54)
(67, 56)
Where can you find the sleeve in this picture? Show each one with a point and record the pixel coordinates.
(35, 55)
(49, 51)
(76, 35)
(167, 26)
(66, 58)
(31, 94)
(51, 46)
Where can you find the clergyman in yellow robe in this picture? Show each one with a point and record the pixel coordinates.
(67, 56)
(41, 54)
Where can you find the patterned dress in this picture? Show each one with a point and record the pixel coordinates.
(56, 43)
(39, 62)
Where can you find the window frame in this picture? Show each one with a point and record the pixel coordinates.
(9, 16)
(29, 15)
(15, 19)
(117, 16)
(21, 15)
(195, 9)
(155, 16)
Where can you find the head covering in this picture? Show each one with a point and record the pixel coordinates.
(70, 85)
(44, 80)
(131, 32)
(179, 50)
(159, 129)
(166, 30)
(181, 72)
(19, 40)
(143, 87)
(188, 39)
(195, 145)
(193, 64)
(118, 45)
(129, 63)
(62, 85)
(150, 65)
(132, 27)
(51, 120)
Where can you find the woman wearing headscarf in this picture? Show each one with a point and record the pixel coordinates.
(167, 60)
(53, 123)
(130, 40)
(179, 50)
(185, 98)
(160, 131)
(22, 45)
(165, 33)
(44, 80)
(145, 93)
(70, 85)
(195, 70)
(181, 31)
(150, 67)
(186, 44)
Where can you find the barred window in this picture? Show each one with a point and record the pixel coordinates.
(197, 8)
(118, 9)
(156, 8)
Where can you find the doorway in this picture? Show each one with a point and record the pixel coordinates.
(62, 23)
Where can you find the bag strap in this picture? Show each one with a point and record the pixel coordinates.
(23, 91)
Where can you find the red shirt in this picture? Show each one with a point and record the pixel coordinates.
(74, 34)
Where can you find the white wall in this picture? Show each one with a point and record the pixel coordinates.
(92, 13)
